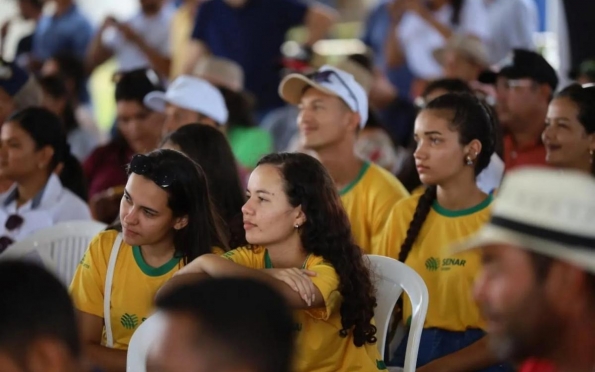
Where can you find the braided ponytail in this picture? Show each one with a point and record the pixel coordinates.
(421, 213)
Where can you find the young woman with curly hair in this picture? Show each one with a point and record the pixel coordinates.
(301, 237)
(455, 136)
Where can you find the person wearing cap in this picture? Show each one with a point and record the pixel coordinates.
(525, 86)
(569, 134)
(18, 90)
(462, 57)
(251, 32)
(537, 287)
(187, 100)
(248, 142)
(333, 109)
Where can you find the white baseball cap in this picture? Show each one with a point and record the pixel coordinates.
(546, 211)
(330, 80)
(191, 93)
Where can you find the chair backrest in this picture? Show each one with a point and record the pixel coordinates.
(391, 278)
(141, 341)
(27, 250)
(66, 243)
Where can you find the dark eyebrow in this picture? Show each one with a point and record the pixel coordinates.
(264, 192)
(432, 132)
(142, 206)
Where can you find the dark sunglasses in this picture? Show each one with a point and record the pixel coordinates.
(325, 77)
(13, 222)
(145, 166)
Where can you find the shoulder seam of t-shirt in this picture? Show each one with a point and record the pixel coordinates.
(463, 212)
(353, 183)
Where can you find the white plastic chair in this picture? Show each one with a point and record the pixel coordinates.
(65, 243)
(141, 341)
(391, 278)
(27, 250)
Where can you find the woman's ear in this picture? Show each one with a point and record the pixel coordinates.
(473, 149)
(46, 154)
(180, 223)
(300, 218)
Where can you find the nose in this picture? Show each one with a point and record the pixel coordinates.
(420, 152)
(130, 216)
(547, 134)
(247, 208)
(304, 117)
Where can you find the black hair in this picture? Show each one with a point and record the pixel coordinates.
(327, 233)
(56, 88)
(473, 120)
(46, 129)
(362, 60)
(262, 338)
(34, 304)
(239, 106)
(209, 148)
(457, 8)
(136, 84)
(188, 195)
(449, 85)
(71, 67)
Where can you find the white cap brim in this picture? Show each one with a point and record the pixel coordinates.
(155, 101)
(490, 234)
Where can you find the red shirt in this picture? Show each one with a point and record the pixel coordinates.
(532, 154)
(106, 167)
(534, 365)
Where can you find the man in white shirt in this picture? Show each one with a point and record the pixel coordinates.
(140, 42)
(512, 24)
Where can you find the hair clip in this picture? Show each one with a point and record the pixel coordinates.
(145, 166)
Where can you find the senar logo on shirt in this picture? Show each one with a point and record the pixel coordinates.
(434, 263)
(129, 321)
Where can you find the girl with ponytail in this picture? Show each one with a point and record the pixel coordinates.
(455, 136)
(46, 178)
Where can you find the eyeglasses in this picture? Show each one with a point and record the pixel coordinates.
(145, 166)
(325, 77)
(13, 222)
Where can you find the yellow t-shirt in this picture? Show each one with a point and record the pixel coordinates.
(319, 348)
(449, 277)
(134, 285)
(368, 200)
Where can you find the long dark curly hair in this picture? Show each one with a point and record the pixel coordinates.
(473, 119)
(327, 233)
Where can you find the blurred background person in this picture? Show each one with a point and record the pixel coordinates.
(139, 130)
(182, 24)
(28, 341)
(56, 99)
(48, 181)
(139, 42)
(569, 134)
(201, 329)
(29, 10)
(463, 57)
(584, 73)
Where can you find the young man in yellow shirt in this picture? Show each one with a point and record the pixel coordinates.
(333, 108)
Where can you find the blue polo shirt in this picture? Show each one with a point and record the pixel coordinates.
(252, 36)
(69, 33)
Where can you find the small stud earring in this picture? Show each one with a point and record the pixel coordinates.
(591, 159)
(296, 226)
(469, 161)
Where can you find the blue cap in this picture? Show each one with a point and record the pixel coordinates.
(12, 77)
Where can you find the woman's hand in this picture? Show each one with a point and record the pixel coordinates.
(299, 280)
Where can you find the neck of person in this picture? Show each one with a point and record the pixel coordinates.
(288, 253)
(574, 352)
(529, 131)
(341, 163)
(28, 188)
(460, 192)
(62, 6)
(158, 254)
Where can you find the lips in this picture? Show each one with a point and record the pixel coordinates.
(421, 168)
(551, 147)
(248, 225)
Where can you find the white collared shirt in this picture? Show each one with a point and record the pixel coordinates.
(491, 177)
(419, 39)
(52, 205)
